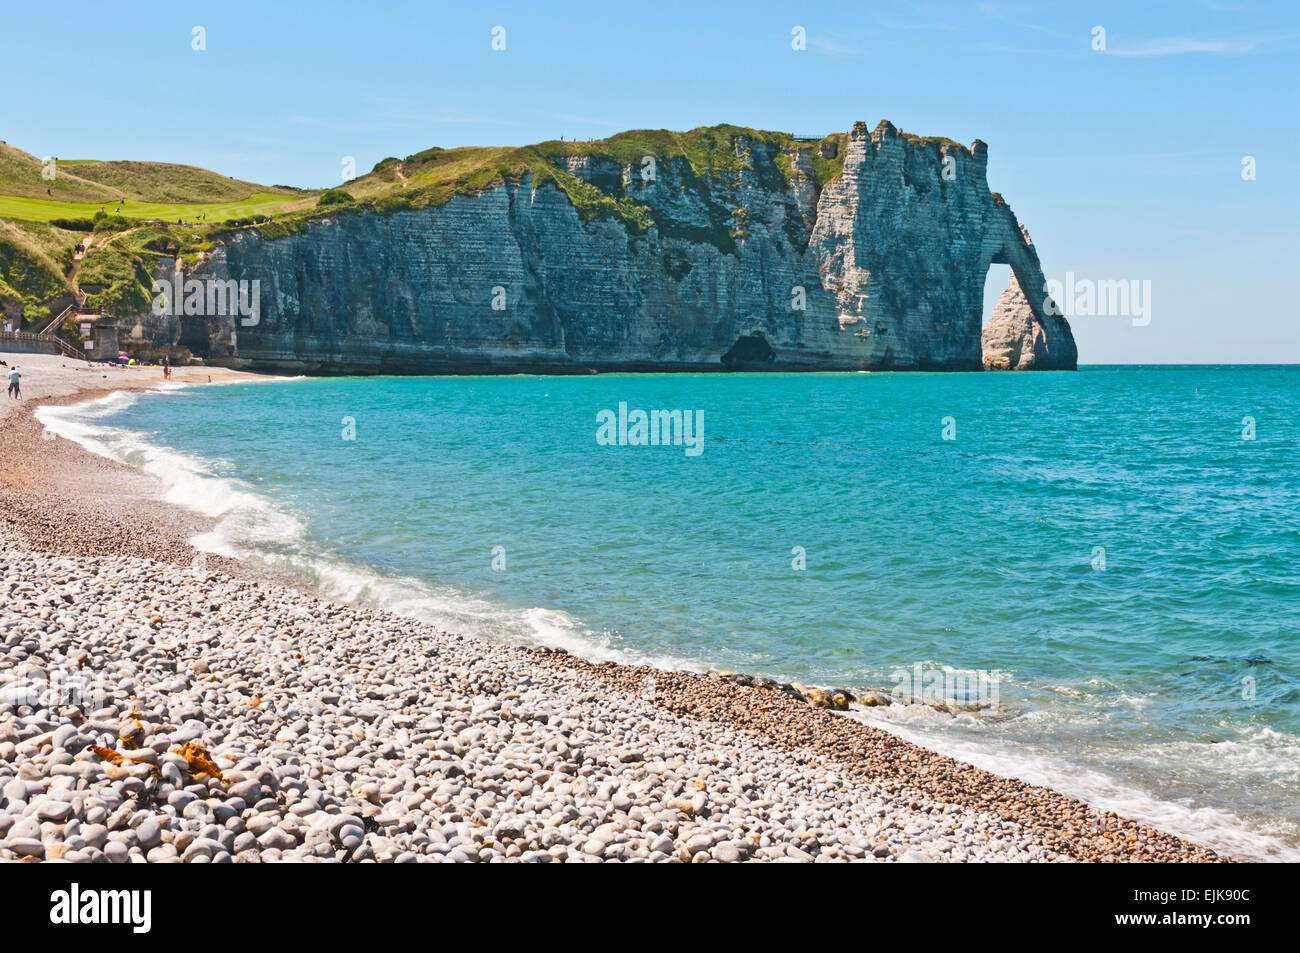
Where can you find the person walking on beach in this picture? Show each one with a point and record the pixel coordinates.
(14, 392)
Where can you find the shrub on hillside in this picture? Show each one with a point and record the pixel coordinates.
(114, 223)
(34, 314)
(334, 197)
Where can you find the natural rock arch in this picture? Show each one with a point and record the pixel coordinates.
(1026, 331)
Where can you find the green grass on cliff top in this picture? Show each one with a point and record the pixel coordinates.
(45, 210)
(713, 154)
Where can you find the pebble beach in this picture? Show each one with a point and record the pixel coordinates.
(158, 704)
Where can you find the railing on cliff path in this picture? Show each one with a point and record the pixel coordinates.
(32, 342)
(71, 350)
(52, 325)
(72, 310)
(50, 329)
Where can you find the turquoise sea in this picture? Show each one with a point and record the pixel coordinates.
(1105, 553)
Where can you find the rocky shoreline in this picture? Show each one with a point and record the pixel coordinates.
(162, 707)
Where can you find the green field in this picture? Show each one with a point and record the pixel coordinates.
(45, 210)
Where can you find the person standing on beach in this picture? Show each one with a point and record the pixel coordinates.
(14, 392)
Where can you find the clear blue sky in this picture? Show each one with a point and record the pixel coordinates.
(1123, 164)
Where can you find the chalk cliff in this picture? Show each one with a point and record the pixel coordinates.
(781, 259)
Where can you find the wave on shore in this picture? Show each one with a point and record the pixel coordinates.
(1219, 829)
(250, 526)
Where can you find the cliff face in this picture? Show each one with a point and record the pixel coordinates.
(882, 268)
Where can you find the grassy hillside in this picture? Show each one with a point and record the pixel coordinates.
(95, 181)
(20, 174)
(165, 182)
(33, 259)
(43, 219)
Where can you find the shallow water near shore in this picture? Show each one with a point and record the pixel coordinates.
(1100, 555)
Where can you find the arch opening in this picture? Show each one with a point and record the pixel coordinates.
(995, 282)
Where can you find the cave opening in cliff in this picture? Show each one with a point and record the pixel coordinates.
(995, 282)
